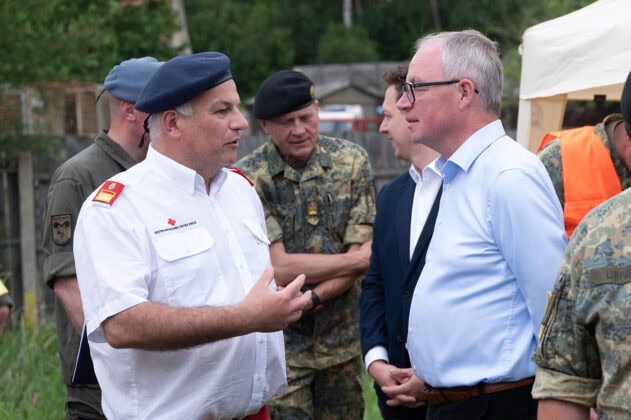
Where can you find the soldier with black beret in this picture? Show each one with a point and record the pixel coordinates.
(183, 317)
(590, 164)
(318, 195)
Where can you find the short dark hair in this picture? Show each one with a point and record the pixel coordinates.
(396, 77)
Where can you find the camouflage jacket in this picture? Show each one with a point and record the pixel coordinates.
(323, 207)
(585, 349)
(550, 155)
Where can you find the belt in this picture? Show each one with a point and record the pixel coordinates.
(437, 396)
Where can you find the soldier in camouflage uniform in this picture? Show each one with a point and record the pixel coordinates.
(615, 133)
(584, 357)
(319, 199)
(550, 155)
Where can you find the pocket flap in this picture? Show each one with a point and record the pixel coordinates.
(256, 231)
(184, 244)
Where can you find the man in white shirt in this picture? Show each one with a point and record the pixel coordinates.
(182, 313)
(404, 210)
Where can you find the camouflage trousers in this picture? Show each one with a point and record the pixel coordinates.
(327, 394)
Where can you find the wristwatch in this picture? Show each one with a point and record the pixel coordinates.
(317, 303)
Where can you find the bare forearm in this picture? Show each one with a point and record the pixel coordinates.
(557, 409)
(317, 267)
(332, 288)
(152, 326)
(67, 291)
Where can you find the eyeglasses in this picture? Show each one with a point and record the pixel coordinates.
(408, 87)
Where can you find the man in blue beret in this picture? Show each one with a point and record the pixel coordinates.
(318, 194)
(183, 317)
(113, 151)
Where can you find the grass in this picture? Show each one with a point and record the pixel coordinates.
(371, 409)
(30, 376)
(31, 386)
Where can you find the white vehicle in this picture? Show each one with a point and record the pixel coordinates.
(340, 118)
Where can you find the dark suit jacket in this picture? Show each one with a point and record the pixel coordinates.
(389, 284)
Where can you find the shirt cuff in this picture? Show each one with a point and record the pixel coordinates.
(551, 384)
(374, 354)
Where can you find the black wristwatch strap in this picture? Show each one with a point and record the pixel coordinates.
(317, 303)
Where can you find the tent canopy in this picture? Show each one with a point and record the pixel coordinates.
(573, 57)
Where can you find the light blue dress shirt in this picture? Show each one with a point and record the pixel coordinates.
(497, 246)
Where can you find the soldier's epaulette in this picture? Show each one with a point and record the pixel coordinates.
(238, 171)
(109, 192)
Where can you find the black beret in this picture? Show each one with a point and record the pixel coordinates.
(181, 79)
(283, 92)
(625, 103)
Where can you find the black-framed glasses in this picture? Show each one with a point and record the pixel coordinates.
(408, 87)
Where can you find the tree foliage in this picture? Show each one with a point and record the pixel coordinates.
(346, 45)
(60, 40)
(252, 34)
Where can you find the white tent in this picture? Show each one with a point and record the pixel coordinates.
(573, 57)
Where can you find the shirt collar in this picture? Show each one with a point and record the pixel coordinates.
(429, 170)
(319, 157)
(181, 175)
(469, 151)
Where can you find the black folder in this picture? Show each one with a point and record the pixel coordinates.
(84, 369)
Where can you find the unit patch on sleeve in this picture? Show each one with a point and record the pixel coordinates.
(61, 228)
(109, 192)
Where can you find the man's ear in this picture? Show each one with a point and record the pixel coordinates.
(467, 91)
(170, 123)
(127, 110)
(263, 124)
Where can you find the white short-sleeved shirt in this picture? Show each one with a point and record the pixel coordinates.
(165, 240)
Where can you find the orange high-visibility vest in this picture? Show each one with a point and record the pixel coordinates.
(589, 177)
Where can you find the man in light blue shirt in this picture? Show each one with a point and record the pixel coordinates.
(497, 244)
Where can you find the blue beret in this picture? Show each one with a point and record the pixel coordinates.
(126, 80)
(181, 79)
(625, 103)
(283, 92)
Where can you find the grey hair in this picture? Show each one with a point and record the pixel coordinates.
(470, 55)
(155, 120)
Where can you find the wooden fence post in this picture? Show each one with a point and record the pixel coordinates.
(27, 237)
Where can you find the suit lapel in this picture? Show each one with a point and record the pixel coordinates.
(403, 218)
(418, 258)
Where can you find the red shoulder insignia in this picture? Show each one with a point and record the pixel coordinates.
(238, 171)
(109, 192)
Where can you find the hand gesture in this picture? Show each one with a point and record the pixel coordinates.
(273, 310)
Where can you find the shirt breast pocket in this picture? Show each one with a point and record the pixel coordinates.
(190, 269)
(260, 252)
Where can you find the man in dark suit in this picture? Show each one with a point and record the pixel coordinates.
(406, 212)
